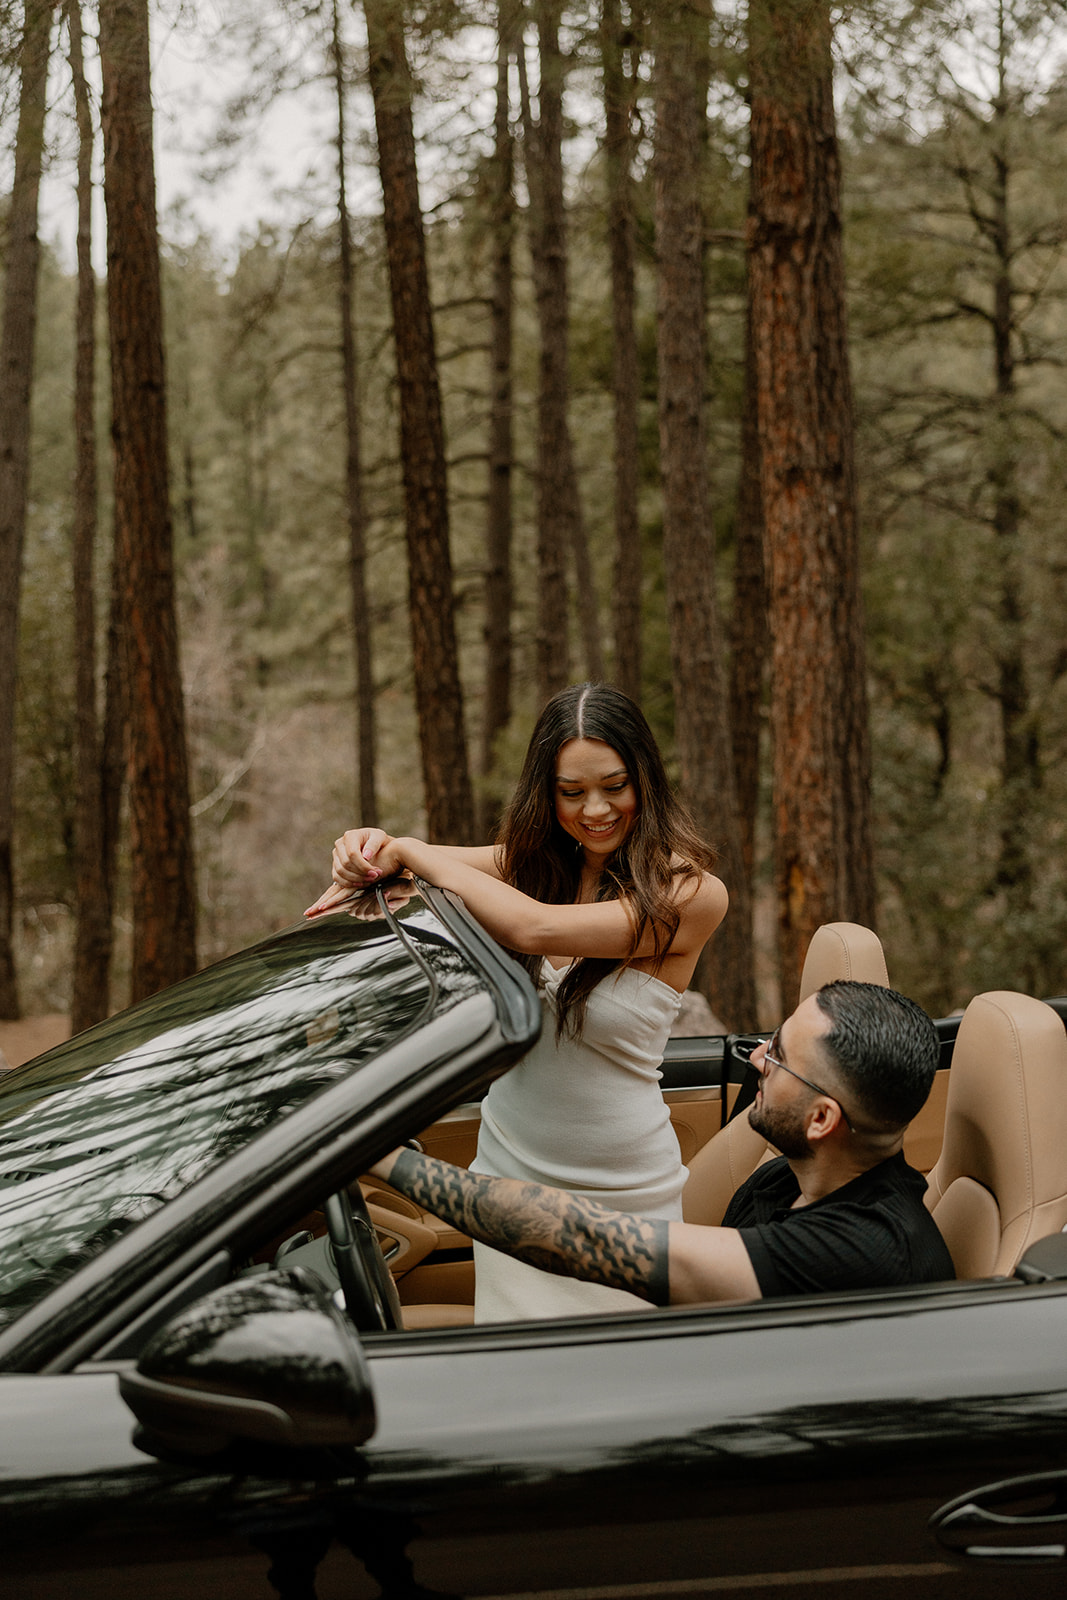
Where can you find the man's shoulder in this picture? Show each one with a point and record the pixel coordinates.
(893, 1176)
(873, 1231)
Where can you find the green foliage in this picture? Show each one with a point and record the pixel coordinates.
(961, 424)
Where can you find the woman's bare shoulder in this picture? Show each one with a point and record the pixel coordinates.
(702, 898)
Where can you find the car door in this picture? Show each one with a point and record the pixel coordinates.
(807, 1443)
(911, 1440)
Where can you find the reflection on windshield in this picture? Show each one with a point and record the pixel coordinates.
(100, 1133)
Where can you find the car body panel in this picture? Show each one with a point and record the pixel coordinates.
(792, 1444)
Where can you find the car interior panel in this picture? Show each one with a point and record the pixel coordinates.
(696, 1116)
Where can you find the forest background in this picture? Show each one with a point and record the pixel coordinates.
(665, 390)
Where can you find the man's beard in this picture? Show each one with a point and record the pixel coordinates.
(783, 1128)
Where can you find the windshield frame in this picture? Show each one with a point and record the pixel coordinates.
(311, 1151)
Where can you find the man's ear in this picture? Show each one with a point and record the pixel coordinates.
(824, 1116)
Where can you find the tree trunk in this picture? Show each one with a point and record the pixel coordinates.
(498, 579)
(823, 849)
(559, 516)
(438, 696)
(749, 636)
(681, 77)
(163, 880)
(618, 151)
(16, 378)
(1020, 744)
(366, 721)
(92, 935)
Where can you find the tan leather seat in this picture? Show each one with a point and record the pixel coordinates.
(837, 950)
(1000, 1181)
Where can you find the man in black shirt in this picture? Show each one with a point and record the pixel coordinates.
(841, 1208)
(840, 1081)
(875, 1231)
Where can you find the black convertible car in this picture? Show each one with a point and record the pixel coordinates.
(229, 1370)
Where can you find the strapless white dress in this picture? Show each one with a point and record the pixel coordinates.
(587, 1115)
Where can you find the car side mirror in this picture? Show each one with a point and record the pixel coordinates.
(1045, 1261)
(267, 1358)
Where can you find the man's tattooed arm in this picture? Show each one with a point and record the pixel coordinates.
(548, 1228)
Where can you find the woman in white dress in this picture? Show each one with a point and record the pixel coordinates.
(599, 884)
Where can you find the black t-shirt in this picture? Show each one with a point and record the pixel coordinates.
(874, 1232)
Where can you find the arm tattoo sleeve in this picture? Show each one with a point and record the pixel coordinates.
(547, 1228)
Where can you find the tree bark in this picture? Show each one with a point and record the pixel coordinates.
(89, 1000)
(1021, 774)
(618, 152)
(749, 635)
(17, 332)
(823, 847)
(163, 879)
(438, 695)
(498, 575)
(366, 719)
(559, 515)
(702, 734)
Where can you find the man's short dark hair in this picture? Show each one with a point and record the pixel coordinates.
(884, 1046)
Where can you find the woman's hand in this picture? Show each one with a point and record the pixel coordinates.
(361, 856)
(357, 857)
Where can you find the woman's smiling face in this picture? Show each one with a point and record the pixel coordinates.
(596, 802)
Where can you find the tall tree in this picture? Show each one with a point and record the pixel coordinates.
(93, 841)
(498, 532)
(824, 866)
(749, 637)
(680, 38)
(17, 332)
(366, 715)
(560, 527)
(438, 695)
(163, 881)
(619, 41)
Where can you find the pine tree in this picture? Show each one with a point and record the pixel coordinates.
(163, 886)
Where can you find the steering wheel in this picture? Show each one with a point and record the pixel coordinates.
(370, 1294)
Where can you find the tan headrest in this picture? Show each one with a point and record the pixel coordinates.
(843, 950)
(1005, 1130)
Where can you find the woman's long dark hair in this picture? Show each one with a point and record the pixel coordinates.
(539, 857)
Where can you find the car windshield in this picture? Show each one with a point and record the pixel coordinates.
(98, 1134)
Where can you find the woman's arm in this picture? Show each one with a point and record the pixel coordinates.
(355, 855)
(356, 865)
(604, 928)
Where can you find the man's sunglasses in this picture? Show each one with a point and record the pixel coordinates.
(746, 1048)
